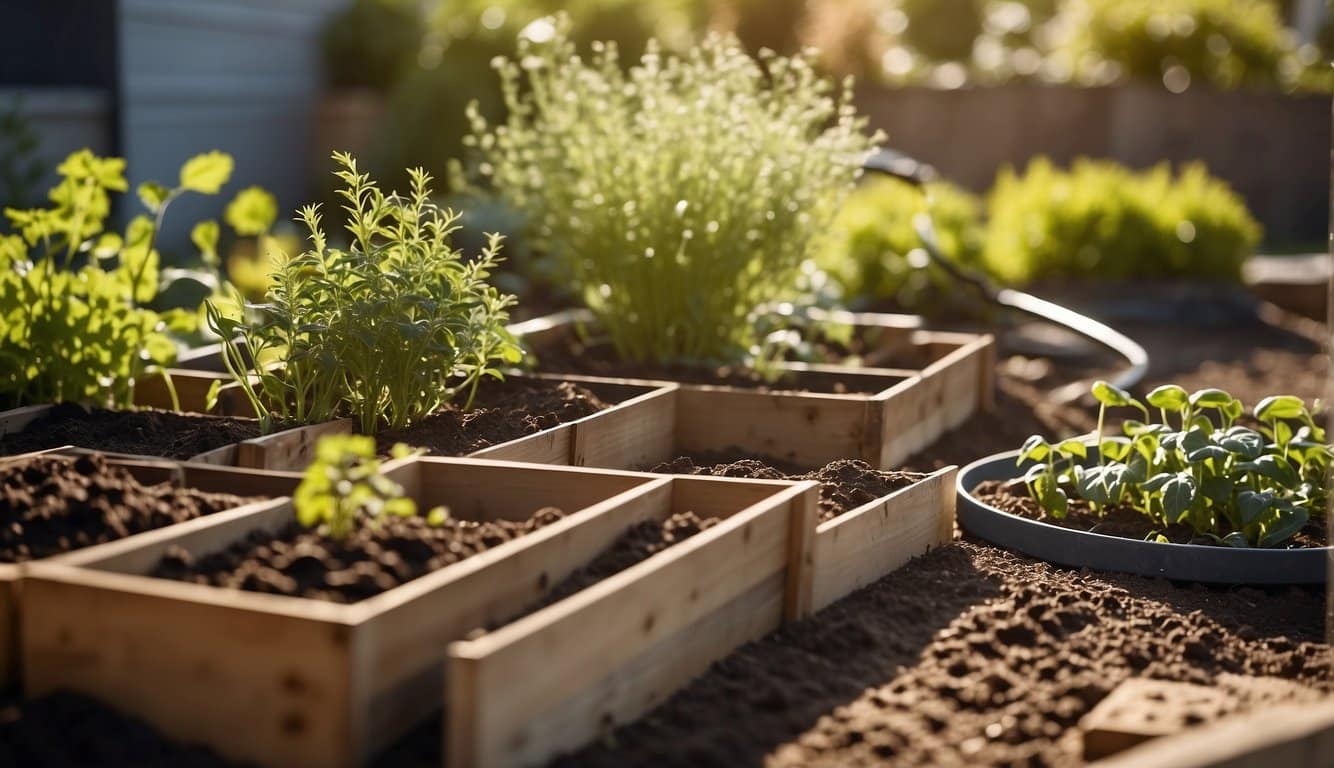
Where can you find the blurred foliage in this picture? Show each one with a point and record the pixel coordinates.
(876, 252)
(1100, 219)
(371, 43)
(1095, 220)
(20, 167)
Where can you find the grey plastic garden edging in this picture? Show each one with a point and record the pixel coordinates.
(1080, 549)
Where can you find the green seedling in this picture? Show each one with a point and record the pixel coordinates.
(1244, 486)
(386, 330)
(345, 487)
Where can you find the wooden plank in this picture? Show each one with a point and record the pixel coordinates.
(407, 630)
(511, 486)
(638, 435)
(799, 590)
(1288, 735)
(545, 683)
(192, 388)
(861, 546)
(10, 575)
(239, 480)
(168, 660)
(804, 429)
(550, 446)
(290, 449)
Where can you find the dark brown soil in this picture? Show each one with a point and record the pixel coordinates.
(376, 557)
(1121, 520)
(55, 504)
(66, 730)
(634, 547)
(600, 359)
(844, 484)
(505, 412)
(968, 656)
(147, 432)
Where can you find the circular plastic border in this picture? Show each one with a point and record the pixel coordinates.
(1082, 549)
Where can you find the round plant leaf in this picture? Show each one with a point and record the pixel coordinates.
(1211, 397)
(1169, 397)
(1111, 395)
(1280, 407)
(1178, 495)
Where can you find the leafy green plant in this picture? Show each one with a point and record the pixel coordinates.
(73, 295)
(876, 252)
(1240, 485)
(1100, 219)
(676, 197)
(345, 487)
(386, 330)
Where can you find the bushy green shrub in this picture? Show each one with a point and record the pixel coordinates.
(1100, 219)
(876, 252)
(386, 331)
(678, 196)
(1225, 43)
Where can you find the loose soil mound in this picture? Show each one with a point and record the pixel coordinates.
(147, 433)
(968, 656)
(1120, 520)
(844, 484)
(66, 730)
(54, 504)
(506, 412)
(374, 558)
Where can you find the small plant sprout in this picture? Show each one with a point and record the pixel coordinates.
(1196, 466)
(345, 487)
(386, 330)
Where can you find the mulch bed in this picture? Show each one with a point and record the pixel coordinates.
(503, 411)
(844, 484)
(50, 505)
(1119, 520)
(376, 557)
(146, 432)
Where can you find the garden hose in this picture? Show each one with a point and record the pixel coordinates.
(900, 166)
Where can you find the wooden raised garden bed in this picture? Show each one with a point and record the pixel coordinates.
(847, 552)
(200, 478)
(294, 681)
(881, 414)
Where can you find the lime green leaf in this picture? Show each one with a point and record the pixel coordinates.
(1280, 407)
(1178, 495)
(205, 237)
(153, 195)
(206, 173)
(252, 211)
(1073, 447)
(1169, 397)
(1211, 397)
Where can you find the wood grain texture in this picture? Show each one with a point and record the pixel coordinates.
(862, 545)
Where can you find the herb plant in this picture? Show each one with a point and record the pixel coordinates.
(345, 487)
(1196, 465)
(386, 330)
(677, 196)
(72, 295)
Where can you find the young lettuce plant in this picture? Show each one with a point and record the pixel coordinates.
(345, 486)
(678, 196)
(387, 330)
(72, 295)
(1239, 485)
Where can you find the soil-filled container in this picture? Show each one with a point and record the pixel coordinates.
(876, 413)
(1077, 548)
(870, 521)
(296, 680)
(56, 506)
(559, 677)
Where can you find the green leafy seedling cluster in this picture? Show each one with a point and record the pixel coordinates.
(1196, 465)
(676, 196)
(386, 330)
(344, 487)
(73, 319)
